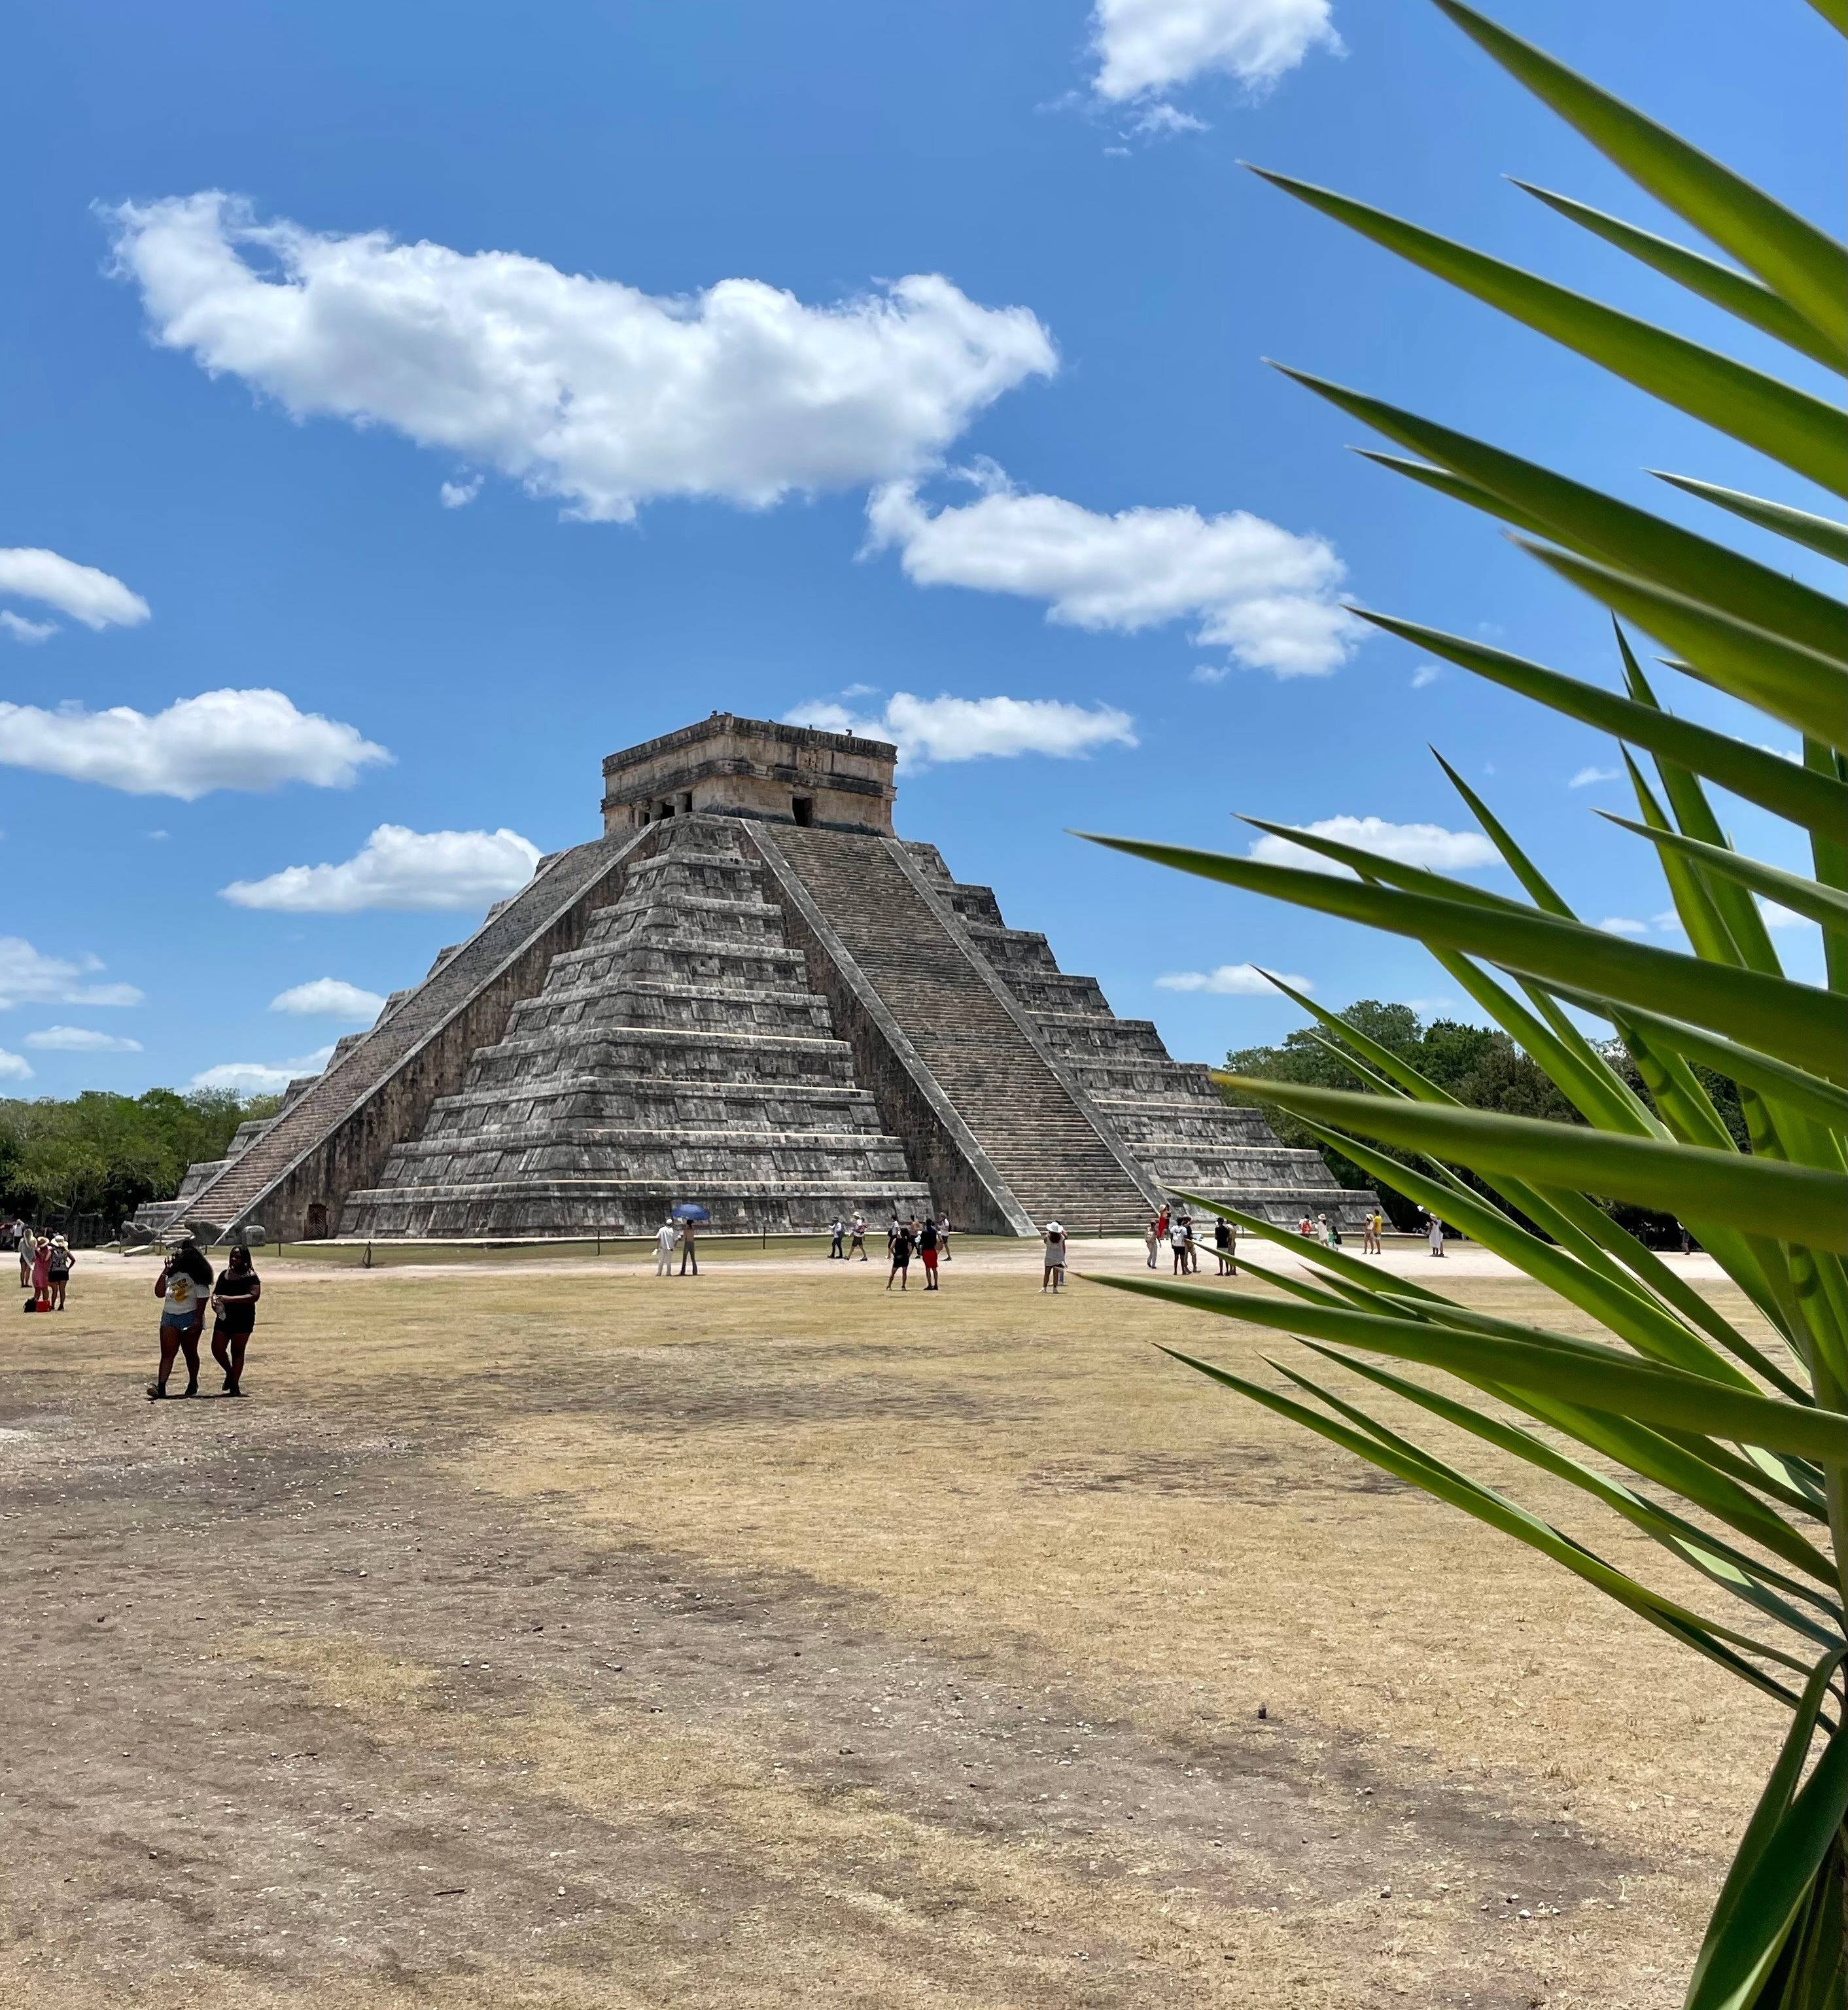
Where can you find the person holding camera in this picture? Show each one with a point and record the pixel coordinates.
(183, 1284)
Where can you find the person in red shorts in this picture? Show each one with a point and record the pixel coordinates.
(927, 1248)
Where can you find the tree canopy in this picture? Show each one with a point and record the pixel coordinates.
(1480, 1066)
(100, 1154)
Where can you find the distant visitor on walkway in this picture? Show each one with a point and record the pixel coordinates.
(1054, 1276)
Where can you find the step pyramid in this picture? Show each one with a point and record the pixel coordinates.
(750, 994)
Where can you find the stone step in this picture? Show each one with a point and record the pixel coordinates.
(1042, 1143)
(333, 1097)
(720, 1086)
(623, 1207)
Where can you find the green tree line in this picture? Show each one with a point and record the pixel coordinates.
(99, 1154)
(1480, 1066)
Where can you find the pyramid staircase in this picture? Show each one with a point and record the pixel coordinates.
(1039, 1132)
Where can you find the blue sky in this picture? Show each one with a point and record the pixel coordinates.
(826, 349)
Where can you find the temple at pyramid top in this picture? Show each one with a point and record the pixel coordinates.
(753, 768)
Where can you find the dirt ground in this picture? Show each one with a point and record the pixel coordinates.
(546, 1634)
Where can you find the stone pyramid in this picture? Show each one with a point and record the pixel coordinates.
(750, 994)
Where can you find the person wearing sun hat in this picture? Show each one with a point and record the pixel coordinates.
(58, 1261)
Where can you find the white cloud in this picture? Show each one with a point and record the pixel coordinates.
(974, 728)
(1161, 121)
(1266, 594)
(1425, 675)
(250, 740)
(459, 495)
(1776, 917)
(23, 630)
(1210, 674)
(398, 868)
(1145, 47)
(582, 388)
(94, 597)
(1621, 925)
(1230, 980)
(81, 1040)
(1426, 844)
(333, 998)
(1587, 777)
(260, 1077)
(1669, 922)
(28, 976)
(14, 1067)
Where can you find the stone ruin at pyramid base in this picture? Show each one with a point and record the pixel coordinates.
(749, 994)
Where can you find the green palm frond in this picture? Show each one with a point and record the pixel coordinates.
(1734, 1429)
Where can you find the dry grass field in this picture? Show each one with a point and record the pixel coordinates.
(544, 1634)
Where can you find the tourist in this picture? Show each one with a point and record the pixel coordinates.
(1306, 1227)
(857, 1239)
(234, 1303)
(1177, 1241)
(42, 1273)
(1151, 1238)
(943, 1237)
(836, 1247)
(665, 1237)
(689, 1254)
(1225, 1243)
(1370, 1245)
(1191, 1246)
(898, 1247)
(185, 1279)
(1054, 1275)
(58, 1261)
(1334, 1233)
(930, 1243)
(25, 1241)
(1436, 1233)
(1161, 1223)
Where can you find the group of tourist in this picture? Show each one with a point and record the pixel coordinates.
(186, 1288)
(672, 1235)
(1177, 1231)
(1319, 1228)
(924, 1237)
(45, 1265)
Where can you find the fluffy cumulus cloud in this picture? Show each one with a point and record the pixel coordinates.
(1626, 924)
(260, 1077)
(1145, 48)
(14, 1067)
(583, 388)
(1426, 844)
(252, 740)
(30, 977)
(1587, 778)
(1230, 980)
(1266, 594)
(430, 870)
(96, 598)
(330, 998)
(926, 730)
(81, 1040)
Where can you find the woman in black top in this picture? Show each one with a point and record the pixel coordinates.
(234, 1300)
(899, 1238)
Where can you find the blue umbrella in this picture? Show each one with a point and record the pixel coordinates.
(689, 1210)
